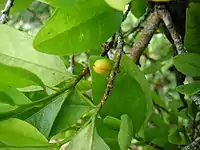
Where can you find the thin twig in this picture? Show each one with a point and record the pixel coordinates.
(138, 23)
(127, 11)
(113, 72)
(146, 35)
(167, 19)
(6, 11)
(107, 46)
(71, 64)
(161, 108)
(35, 16)
(115, 69)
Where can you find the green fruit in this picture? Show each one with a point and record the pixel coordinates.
(102, 66)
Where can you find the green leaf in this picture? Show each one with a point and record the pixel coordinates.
(125, 133)
(120, 4)
(188, 64)
(16, 50)
(72, 109)
(69, 33)
(88, 139)
(189, 89)
(138, 75)
(10, 97)
(18, 77)
(44, 118)
(192, 38)
(158, 133)
(15, 132)
(17, 97)
(109, 134)
(138, 8)
(174, 136)
(129, 100)
(112, 122)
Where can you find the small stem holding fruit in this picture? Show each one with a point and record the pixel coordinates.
(113, 71)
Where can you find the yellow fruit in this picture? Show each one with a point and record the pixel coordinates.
(102, 66)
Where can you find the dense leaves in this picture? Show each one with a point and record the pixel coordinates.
(46, 99)
(125, 102)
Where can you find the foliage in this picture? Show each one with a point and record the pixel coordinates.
(48, 100)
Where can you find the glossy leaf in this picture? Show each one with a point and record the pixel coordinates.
(108, 134)
(188, 64)
(112, 122)
(44, 118)
(125, 133)
(69, 33)
(88, 139)
(18, 77)
(10, 97)
(16, 50)
(72, 109)
(189, 89)
(138, 75)
(15, 132)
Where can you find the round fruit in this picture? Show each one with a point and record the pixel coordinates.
(102, 66)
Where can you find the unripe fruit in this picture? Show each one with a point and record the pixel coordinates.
(102, 66)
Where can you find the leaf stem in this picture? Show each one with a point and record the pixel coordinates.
(41, 102)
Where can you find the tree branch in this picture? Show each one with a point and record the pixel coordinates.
(6, 11)
(35, 16)
(167, 19)
(149, 29)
